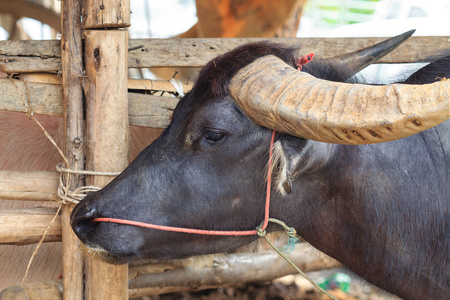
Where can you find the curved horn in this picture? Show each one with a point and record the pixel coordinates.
(276, 96)
(358, 60)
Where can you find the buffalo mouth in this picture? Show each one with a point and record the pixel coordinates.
(98, 252)
(93, 245)
(88, 231)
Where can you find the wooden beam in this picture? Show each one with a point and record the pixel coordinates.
(30, 56)
(39, 57)
(45, 99)
(144, 109)
(28, 185)
(72, 71)
(40, 49)
(227, 270)
(107, 139)
(27, 226)
(197, 52)
(150, 111)
(23, 64)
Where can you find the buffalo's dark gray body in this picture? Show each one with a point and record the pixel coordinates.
(381, 209)
(385, 209)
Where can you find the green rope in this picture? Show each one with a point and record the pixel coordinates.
(292, 234)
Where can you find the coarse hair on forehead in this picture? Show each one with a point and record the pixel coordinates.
(214, 79)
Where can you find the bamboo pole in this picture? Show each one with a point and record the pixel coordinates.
(28, 185)
(46, 87)
(107, 138)
(26, 226)
(72, 72)
(156, 85)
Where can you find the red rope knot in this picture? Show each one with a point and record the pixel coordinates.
(299, 62)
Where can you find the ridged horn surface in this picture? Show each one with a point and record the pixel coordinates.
(276, 96)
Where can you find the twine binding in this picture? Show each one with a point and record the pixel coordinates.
(75, 196)
(64, 194)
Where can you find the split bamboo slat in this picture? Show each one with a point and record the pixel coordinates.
(45, 56)
(107, 139)
(73, 115)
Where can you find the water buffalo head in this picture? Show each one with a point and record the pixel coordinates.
(208, 169)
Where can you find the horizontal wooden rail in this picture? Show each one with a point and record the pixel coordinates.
(221, 271)
(28, 185)
(227, 270)
(45, 56)
(27, 226)
(144, 109)
(150, 111)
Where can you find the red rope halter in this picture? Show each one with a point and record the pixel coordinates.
(208, 232)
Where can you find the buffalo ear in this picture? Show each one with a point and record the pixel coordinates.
(287, 153)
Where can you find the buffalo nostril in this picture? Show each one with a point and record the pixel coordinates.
(84, 227)
(82, 211)
(81, 220)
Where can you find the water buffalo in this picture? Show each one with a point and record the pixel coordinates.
(362, 172)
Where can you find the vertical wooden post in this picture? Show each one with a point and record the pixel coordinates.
(107, 129)
(107, 138)
(106, 14)
(72, 72)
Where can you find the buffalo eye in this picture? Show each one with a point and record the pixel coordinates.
(213, 136)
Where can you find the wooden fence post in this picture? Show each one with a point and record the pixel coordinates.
(107, 129)
(107, 138)
(72, 72)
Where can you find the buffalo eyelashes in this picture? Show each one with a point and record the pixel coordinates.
(213, 136)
